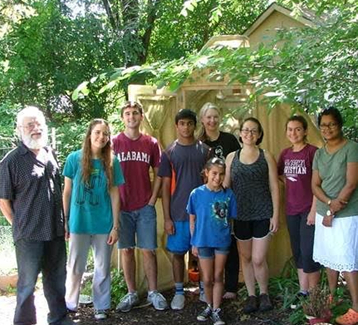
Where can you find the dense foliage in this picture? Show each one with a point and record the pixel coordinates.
(311, 68)
(50, 48)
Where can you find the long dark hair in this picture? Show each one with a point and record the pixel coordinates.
(106, 154)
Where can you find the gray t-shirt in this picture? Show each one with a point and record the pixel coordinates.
(332, 169)
(183, 164)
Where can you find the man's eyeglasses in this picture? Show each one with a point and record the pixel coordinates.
(329, 126)
(32, 125)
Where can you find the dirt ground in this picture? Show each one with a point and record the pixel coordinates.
(232, 313)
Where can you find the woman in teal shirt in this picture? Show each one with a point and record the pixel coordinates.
(91, 204)
(334, 183)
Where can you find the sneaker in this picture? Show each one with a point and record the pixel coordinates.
(100, 314)
(128, 302)
(64, 321)
(297, 302)
(250, 304)
(229, 295)
(265, 302)
(202, 297)
(215, 317)
(349, 318)
(157, 300)
(205, 314)
(178, 302)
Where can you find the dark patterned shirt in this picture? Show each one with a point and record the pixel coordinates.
(250, 183)
(34, 189)
(223, 145)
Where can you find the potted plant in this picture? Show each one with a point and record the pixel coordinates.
(317, 306)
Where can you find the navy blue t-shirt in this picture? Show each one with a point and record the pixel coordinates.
(183, 164)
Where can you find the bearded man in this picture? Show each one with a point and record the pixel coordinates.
(30, 199)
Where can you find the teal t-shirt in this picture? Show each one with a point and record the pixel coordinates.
(332, 170)
(90, 207)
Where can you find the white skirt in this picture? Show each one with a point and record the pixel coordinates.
(336, 247)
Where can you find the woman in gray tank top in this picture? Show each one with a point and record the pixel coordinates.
(252, 174)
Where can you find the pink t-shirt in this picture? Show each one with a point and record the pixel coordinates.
(136, 157)
(297, 169)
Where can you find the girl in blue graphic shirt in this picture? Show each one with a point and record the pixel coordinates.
(210, 206)
(91, 203)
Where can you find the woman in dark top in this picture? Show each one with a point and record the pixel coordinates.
(252, 175)
(222, 143)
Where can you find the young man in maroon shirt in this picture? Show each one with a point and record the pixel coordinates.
(138, 153)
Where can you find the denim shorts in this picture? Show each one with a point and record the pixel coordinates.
(138, 228)
(210, 252)
(179, 242)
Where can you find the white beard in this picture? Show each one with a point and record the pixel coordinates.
(35, 144)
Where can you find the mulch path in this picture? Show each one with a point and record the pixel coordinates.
(231, 311)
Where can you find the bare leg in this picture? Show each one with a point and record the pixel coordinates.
(129, 267)
(178, 268)
(313, 279)
(245, 249)
(150, 268)
(207, 272)
(332, 277)
(303, 280)
(218, 289)
(352, 282)
(259, 253)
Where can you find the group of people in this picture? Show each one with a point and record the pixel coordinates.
(111, 186)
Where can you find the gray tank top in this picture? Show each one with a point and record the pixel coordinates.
(250, 184)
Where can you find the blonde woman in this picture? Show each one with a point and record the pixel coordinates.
(222, 143)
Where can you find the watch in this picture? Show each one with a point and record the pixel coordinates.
(329, 202)
(328, 213)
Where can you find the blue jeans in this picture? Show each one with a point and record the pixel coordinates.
(32, 258)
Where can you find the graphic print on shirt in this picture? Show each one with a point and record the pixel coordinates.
(220, 212)
(219, 151)
(293, 168)
(133, 156)
(87, 193)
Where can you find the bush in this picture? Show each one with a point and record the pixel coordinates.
(119, 287)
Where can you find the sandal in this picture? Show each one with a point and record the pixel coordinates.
(349, 318)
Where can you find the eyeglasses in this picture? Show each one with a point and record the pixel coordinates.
(247, 131)
(329, 126)
(32, 125)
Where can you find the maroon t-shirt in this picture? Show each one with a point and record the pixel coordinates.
(136, 157)
(297, 169)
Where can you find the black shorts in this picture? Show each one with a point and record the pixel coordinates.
(246, 230)
(301, 237)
